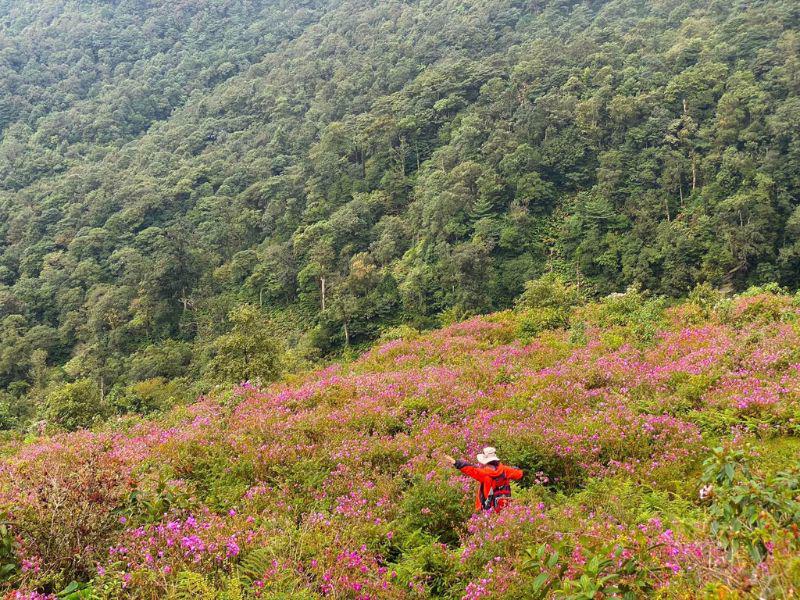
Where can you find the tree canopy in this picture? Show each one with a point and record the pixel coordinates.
(345, 165)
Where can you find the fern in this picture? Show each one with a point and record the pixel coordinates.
(254, 564)
(233, 589)
(192, 586)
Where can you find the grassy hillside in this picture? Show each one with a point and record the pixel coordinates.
(659, 443)
(357, 164)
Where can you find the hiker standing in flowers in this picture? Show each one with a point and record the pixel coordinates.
(494, 491)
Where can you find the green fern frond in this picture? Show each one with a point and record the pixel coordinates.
(254, 564)
(192, 586)
(233, 589)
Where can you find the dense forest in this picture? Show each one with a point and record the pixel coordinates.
(189, 189)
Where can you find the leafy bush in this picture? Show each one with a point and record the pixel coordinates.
(546, 303)
(705, 298)
(75, 405)
(550, 291)
(14, 411)
(249, 352)
(167, 360)
(750, 510)
(8, 558)
(611, 572)
(436, 509)
(634, 309)
(151, 395)
(427, 564)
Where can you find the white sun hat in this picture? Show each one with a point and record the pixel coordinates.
(488, 455)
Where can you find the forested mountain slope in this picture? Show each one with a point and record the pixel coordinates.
(355, 164)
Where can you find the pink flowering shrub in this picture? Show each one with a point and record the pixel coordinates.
(332, 483)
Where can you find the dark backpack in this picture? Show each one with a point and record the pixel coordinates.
(500, 493)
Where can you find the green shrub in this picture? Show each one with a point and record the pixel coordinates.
(428, 563)
(534, 321)
(705, 298)
(167, 359)
(13, 411)
(550, 291)
(250, 351)
(750, 511)
(399, 332)
(8, 558)
(75, 405)
(150, 504)
(219, 478)
(152, 395)
(192, 586)
(453, 314)
(765, 304)
(606, 574)
(634, 309)
(436, 509)
(690, 388)
(564, 472)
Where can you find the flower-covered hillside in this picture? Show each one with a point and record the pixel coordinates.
(658, 446)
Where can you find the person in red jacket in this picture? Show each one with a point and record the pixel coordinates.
(494, 491)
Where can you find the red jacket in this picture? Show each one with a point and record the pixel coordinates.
(491, 479)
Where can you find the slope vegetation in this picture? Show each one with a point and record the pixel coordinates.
(659, 446)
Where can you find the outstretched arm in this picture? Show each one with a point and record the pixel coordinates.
(464, 467)
(514, 473)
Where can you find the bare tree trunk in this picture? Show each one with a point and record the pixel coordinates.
(402, 158)
(363, 164)
(346, 335)
(322, 286)
(694, 173)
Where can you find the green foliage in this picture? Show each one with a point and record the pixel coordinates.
(690, 388)
(627, 501)
(633, 308)
(75, 405)
(400, 332)
(550, 291)
(547, 303)
(77, 591)
(150, 505)
(748, 509)
(435, 509)
(534, 321)
(8, 558)
(605, 574)
(234, 589)
(153, 178)
(427, 562)
(13, 410)
(613, 576)
(168, 360)
(255, 563)
(705, 298)
(250, 351)
(192, 586)
(152, 395)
